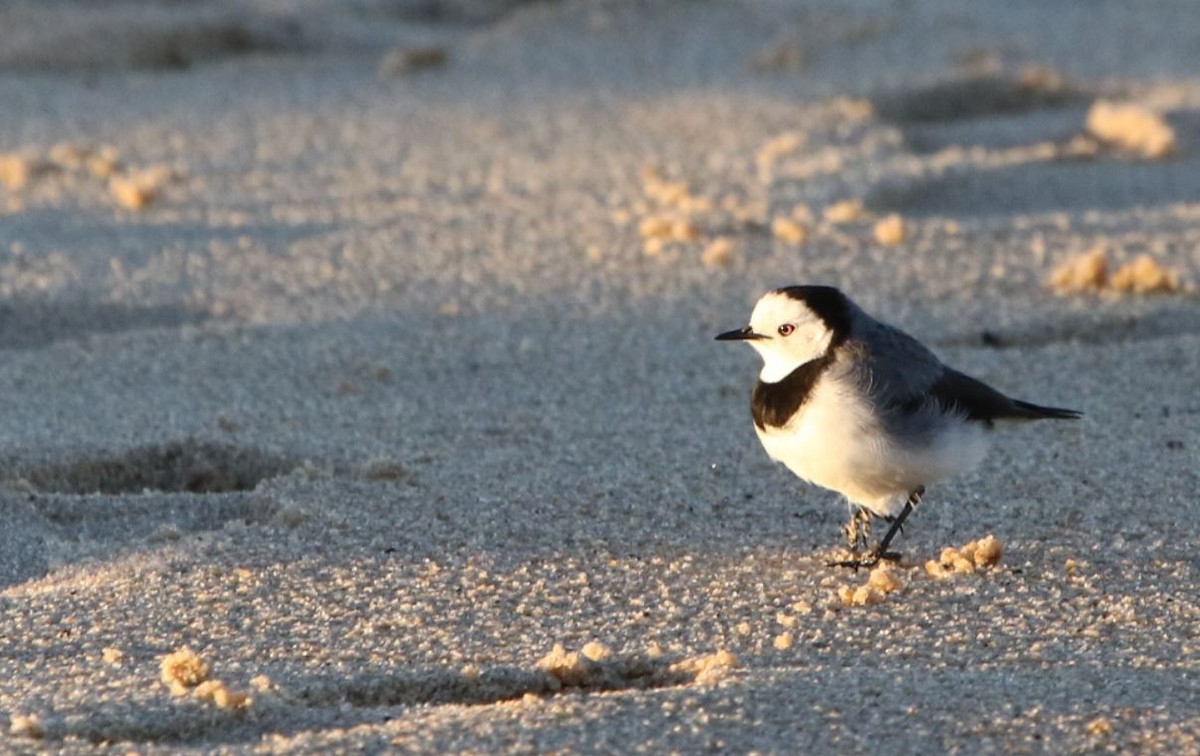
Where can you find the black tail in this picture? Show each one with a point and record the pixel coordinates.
(1034, 412)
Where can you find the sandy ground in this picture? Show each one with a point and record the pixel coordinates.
(365, 350)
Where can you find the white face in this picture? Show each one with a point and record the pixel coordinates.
(794, 335)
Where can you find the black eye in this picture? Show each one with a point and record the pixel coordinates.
(786, 329)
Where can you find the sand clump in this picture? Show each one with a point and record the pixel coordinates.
(16, 169)
(883, 580)
(69, 156)
(667, 219)
(671, 215)
(577, 669)
(719, 253)
(220, 695)
(26, 726)
(261, 683)
(595, 651)
(675, 195)
(802, 213)
(776, 148)
(130, 194)
(101, 162)
(1089, 273)
(1145, 276)
(789, 231)
(705, 670)
(1133, 128)
(136, 190)
(596, 667)
(671, 223)
(846, 211)
(886, 579)
(1100, 726)
(657, 231)
(130, 188)
(966, 560)
(668, 228)
(183, 670)
(891, 230)
(863, 595)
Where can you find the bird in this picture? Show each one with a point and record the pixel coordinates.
(859, 407)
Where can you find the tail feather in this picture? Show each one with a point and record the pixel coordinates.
(1036, 412)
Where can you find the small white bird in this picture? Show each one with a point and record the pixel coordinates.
(864, 409)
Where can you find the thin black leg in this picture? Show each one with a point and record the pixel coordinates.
(880, 552)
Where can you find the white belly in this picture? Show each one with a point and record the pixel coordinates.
(835, 442)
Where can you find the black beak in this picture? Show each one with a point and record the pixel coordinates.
(743, 334)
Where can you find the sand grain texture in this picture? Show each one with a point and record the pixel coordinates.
(404, 376)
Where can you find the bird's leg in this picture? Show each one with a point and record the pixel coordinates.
(880, 552)
(858, 530)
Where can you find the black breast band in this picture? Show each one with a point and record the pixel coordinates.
(773, 404)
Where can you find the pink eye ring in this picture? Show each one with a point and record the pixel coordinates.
(786, 329)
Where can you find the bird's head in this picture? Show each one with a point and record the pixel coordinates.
(792, 326)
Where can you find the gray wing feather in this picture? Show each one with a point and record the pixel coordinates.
(906, 380)
(888, 365)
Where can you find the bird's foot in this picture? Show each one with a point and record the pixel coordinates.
(868, 560)
(880, 553)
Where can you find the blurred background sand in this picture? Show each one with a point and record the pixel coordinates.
(355, 354)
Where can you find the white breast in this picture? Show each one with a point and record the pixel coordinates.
(836, 442)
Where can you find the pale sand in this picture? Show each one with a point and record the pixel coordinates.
(387, 390)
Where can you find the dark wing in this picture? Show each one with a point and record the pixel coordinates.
(979, 401)
(889, 365)
(900, 374)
